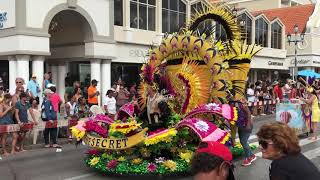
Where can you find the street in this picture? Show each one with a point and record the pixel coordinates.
(47, 164)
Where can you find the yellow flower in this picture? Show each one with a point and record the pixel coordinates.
(169, 164)
(186, 156)
(162, 137)
(77, 133)
(136, 161)
(124, 128)
(94, 161)
(121, 158)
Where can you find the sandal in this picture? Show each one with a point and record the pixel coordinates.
(56, 146)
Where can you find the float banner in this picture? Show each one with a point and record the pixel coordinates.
(115, 143)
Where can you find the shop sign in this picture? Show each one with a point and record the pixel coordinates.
(137, 53)
(273, 63)
(3, 19)
(300, 61)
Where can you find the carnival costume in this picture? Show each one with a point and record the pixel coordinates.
(196, 76)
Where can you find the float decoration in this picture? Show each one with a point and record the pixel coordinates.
(186, 86)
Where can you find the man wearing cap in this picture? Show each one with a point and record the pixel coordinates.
(33, 88)
(93, 93)
(277, 91)
(212, 161)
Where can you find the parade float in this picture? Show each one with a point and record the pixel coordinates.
(185, 95)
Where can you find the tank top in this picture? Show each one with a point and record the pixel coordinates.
(72, 109)
(7, 118)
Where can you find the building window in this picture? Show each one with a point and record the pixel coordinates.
(173, 15)
(197, 7)
(220, 32)
(261, 32)
(276, 35)
(246, 27)
(143, 14)
(118, 13)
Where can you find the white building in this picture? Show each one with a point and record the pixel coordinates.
(108, 39)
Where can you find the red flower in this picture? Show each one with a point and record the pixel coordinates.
(93, 152)
(112, 164)
(152, 167)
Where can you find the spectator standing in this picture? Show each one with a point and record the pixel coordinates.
(110, 103)
(122, 96)
(33, 88)
(77, 93)
(294, 92)
(133, 92)
(1, 93)
(46, 81)
(93, 93)
(287, 89)
(55, 100)
(82, 110)
(251, 97)
(70, 108)
(6, 118)
(49, 115)
(278, 95)
(69, 91)
(21, 114)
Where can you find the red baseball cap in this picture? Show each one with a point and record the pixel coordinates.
(216, 149)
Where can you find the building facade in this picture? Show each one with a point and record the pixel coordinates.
(109, 39)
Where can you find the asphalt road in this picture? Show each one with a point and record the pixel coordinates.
(47, 164)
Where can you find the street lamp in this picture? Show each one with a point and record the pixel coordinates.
(295, 40)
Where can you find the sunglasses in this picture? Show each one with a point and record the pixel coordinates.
(264, 144)
(18, 82)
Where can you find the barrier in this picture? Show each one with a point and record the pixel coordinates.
(260, 103)
(39, 127)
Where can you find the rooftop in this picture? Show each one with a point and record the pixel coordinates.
(290, 16)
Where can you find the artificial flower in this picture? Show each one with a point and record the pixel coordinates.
(136, 161)
(186, 155)
(95, 127)
(80, 126)
(160, 160)
(202, 126)
(124, 128)
(169, 164)
(112, 164)
(94, 161)
(164, 136)
(94, 152)
(77, 133)
(121, 158)
(152, 167)
(145, 152)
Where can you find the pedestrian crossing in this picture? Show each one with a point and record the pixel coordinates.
(310, 153)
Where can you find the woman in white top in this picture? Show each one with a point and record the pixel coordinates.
(110, 104)
(70, 107)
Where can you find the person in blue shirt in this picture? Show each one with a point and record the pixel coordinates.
(49, 115)
(21, 114)
(33, 88)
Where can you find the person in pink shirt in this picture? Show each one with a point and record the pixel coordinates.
(55, 100)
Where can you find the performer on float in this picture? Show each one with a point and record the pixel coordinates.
(312, 101)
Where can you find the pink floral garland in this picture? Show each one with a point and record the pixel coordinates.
(92, 126)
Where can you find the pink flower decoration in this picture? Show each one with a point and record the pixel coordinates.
(80, 126)
(112, 164)
(103, 118)
(152, 167)
(94, 127)
(93, 152)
